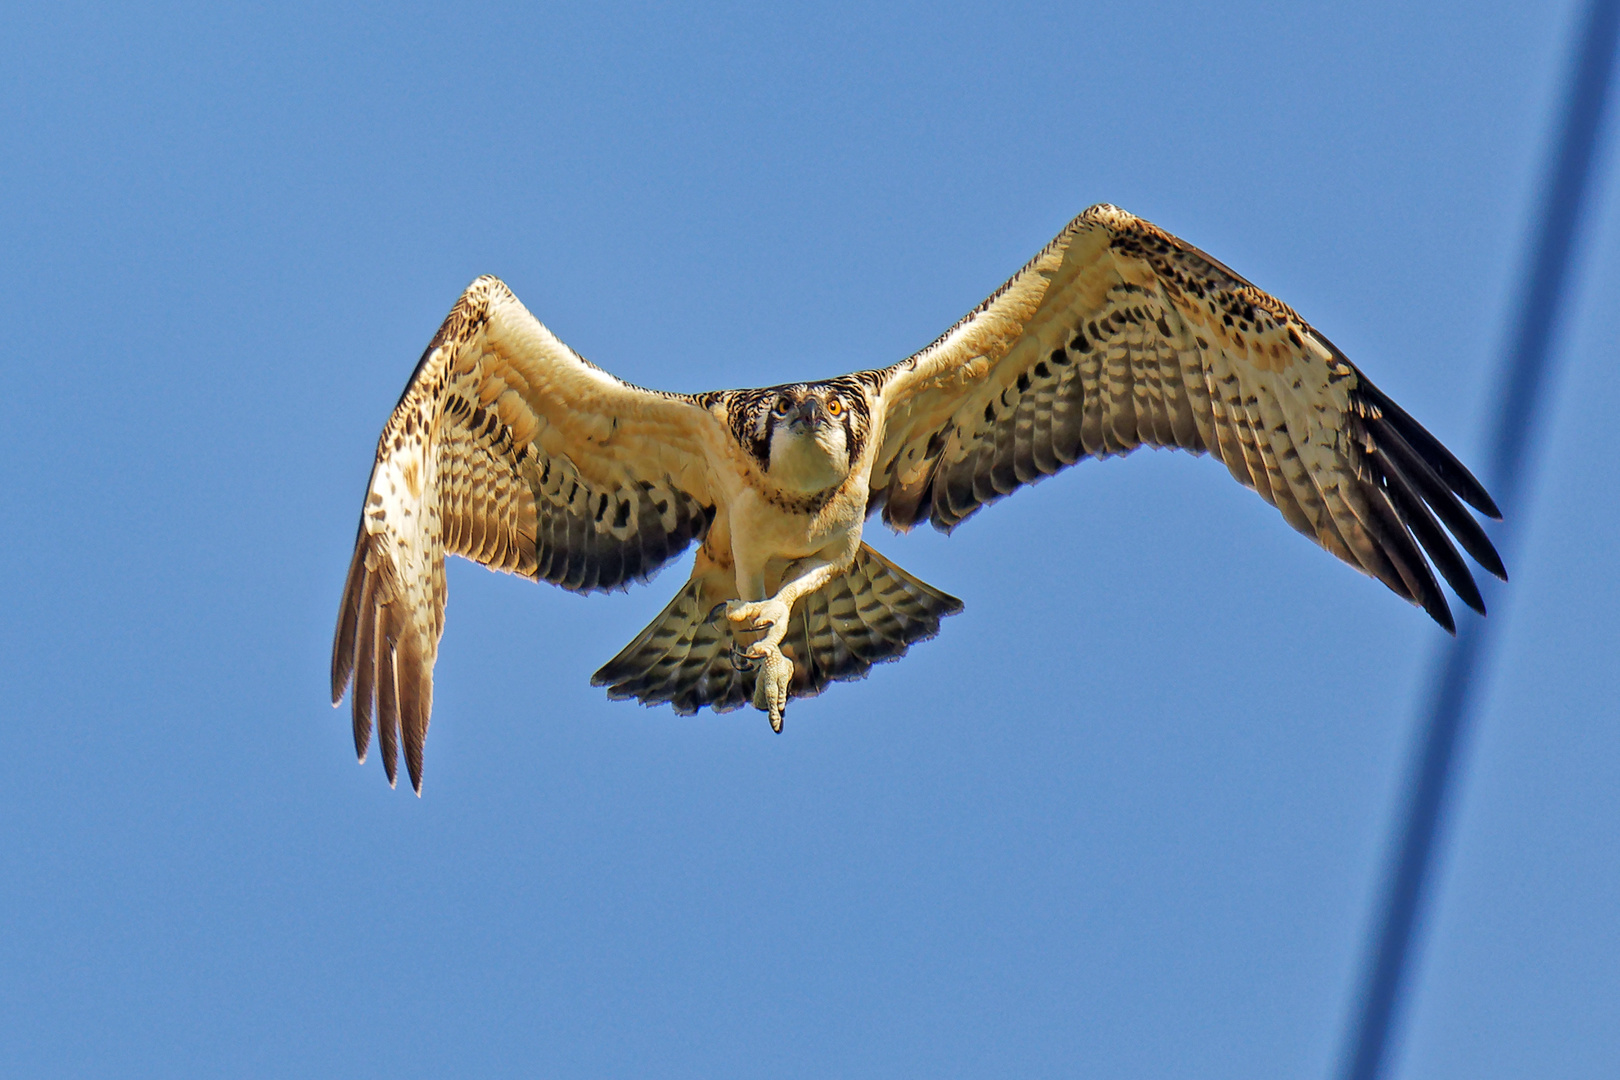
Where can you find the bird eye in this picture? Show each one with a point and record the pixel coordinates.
(783, 406)
(835, 407)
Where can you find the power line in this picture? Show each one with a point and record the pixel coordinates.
(1464, 664)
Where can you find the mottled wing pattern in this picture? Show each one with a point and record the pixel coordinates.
(870, 614)
(1119, 335)
(509, 449)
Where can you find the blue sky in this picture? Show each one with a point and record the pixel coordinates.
(1127, 815)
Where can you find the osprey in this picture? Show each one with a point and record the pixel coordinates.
(510, 449)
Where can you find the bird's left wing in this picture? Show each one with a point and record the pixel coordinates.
(1119, 335)
(511, 450)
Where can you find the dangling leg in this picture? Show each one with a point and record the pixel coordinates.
(771, 616)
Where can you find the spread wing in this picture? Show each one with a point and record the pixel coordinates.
(1119, 335)
(511, 450)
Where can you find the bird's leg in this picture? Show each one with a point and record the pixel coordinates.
(771, 685)
(771, 616)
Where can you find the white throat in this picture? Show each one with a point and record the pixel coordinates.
(808, 462)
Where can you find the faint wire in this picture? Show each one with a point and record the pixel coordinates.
(1464, 664)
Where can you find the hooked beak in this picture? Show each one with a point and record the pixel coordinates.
(806, 415)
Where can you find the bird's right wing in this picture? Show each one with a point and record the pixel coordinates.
(511, 450)
(1119, 335)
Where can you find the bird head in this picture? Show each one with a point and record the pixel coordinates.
(808, 434)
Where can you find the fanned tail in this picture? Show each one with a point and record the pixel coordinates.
(682, 657)
(870, 615)
(873, 613)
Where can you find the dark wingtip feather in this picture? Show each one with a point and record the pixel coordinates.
(1409, 503)
(1401, 548)
(1433, 601)
(387, 711)
(365, 667)
(348, 618)
(1441, 460)
(414, 703)
(1440, 498)
(1422, 474)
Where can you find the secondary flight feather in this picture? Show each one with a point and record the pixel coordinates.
(510, 449)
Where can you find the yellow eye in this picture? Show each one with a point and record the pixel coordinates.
(783, 406)
(835, 407)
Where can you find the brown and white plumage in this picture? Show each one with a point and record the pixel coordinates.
(1119, 335)
(509, 449)
(870, 614)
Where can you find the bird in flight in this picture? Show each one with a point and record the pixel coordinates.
(510, 449)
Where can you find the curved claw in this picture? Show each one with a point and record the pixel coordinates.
(741, 661)
(718, 610)
(771, 686)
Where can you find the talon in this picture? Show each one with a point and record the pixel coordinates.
(718, 609)
(741, 661)
(771, 685)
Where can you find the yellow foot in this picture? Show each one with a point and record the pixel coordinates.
(771, 616)
(771, 685)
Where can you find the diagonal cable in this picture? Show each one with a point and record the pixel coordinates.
(1463, 666)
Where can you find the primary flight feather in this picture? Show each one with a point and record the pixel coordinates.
(510, 449)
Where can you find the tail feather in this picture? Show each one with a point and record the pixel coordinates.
(871, 614)
(681, 657)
